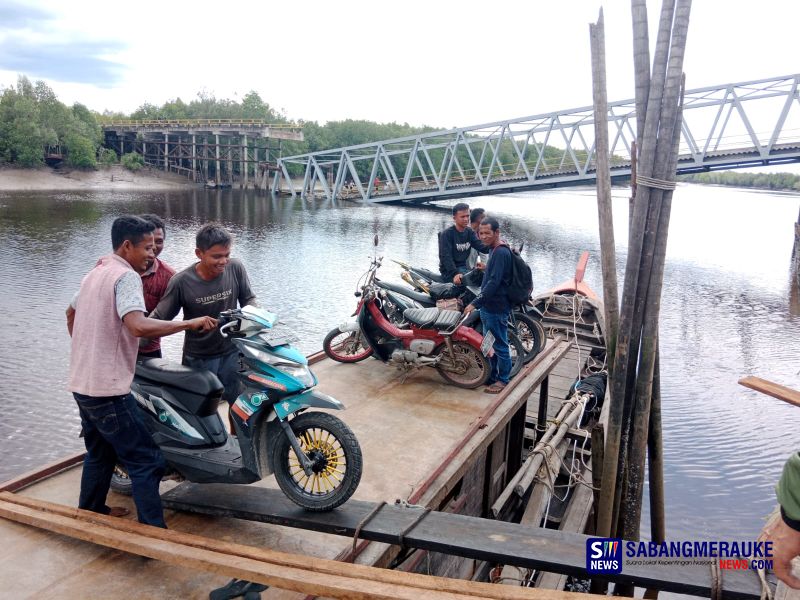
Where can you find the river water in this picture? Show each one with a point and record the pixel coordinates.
(728, 310)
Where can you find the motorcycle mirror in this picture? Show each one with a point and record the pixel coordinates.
(357, 294)
(375, 240)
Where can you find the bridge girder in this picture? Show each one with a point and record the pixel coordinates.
(725, 126)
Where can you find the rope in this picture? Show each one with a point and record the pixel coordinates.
(766, 591)
(659, 184)
(413, 524)
(361, 524)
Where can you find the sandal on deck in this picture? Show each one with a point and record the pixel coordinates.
(118, 511)
(495, 388)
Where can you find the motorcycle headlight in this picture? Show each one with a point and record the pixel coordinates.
(300, 372)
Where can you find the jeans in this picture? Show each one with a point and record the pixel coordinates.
(224, 366)
(113, 431)
(497, 323)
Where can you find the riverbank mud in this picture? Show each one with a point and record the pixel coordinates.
(105, 178)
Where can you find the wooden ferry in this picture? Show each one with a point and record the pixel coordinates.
(459, 498)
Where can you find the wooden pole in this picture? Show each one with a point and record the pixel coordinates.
(607, 251)
(655, 461)
(627, 353)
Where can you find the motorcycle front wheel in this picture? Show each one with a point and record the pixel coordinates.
(346, 346)
(333, 449)
(471, 368)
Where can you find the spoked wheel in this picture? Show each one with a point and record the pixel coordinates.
(531, 334)
(336, 456)
(470, 369)
(121, 482)
(346, 346)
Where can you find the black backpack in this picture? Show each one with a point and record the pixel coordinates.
(521, 284)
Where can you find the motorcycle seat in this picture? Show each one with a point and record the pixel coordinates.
(198, 381)
(447, 319)
(424, 317)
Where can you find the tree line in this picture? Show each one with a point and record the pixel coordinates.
(764, 181)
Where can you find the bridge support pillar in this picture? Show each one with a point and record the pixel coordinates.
(166, 151)
(244, 162)
(217, 173)
(194, 158)
(144, 151)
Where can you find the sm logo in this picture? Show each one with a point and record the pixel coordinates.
(604, 555)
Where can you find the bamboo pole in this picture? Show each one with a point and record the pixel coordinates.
(603, 176)
(630, 322)
(631, 517)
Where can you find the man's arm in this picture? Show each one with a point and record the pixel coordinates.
(493, 278)
(785, 532)
(246, 294)
(447, 264)
(70, 319)
(170, 303)
(142, 326)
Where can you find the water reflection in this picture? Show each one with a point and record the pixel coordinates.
(728, 310)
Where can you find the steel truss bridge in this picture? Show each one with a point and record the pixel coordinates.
(726, 126)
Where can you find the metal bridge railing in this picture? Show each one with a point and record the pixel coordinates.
(733, 124)
(149, 123)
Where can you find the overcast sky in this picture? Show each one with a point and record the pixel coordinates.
(429, 62)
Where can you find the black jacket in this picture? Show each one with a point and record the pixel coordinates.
(454, 249)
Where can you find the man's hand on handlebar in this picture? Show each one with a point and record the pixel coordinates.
(469, 308)
(202, 324)
(457, 279)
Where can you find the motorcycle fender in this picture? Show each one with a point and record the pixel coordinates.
(308, 399)
(469, 335)
(349, 326)
(534, 312)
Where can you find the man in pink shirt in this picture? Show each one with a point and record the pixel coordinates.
(105, 319)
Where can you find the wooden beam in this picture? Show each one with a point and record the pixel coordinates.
(221, 555)
(770, 388)
(460, 535)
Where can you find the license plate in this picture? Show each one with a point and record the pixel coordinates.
(487, 343)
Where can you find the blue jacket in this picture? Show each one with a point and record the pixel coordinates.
(493, 297)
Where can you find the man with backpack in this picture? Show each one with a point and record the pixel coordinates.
(494, 302)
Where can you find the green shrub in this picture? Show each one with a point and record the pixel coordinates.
(106, 157)
(80, 151)
(132, 161)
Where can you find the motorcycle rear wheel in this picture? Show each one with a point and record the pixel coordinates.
(471, 370)
(531, 334)
(346, 346)
(334, 449)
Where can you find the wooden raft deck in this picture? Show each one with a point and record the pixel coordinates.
(419, 436)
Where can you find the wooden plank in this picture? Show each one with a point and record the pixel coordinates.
(770, 388)
(575, 519)
(470, 537)
(31, 477)
(364, 573)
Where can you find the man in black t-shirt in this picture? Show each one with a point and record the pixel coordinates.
(455, 244)
(214, 284)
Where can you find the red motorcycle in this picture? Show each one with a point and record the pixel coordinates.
(430, 337)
